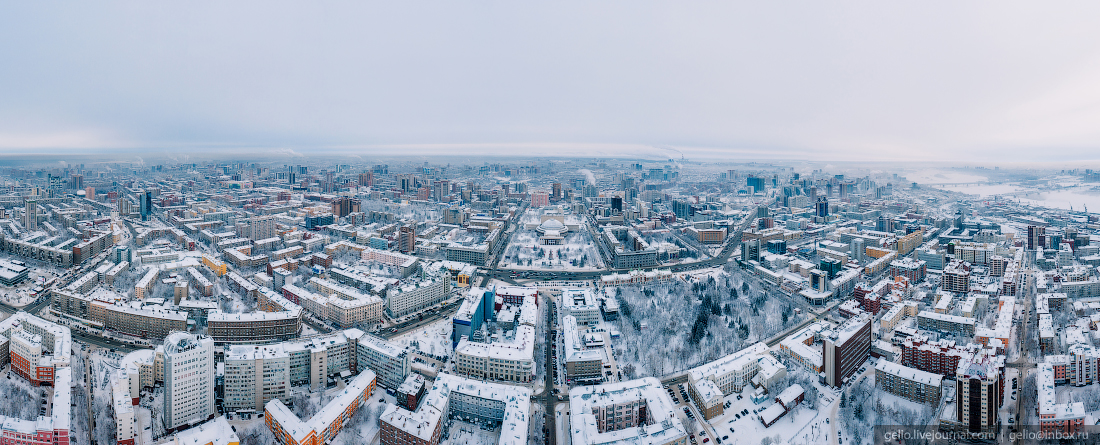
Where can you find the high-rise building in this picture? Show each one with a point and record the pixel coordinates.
(978, 393)
(406, 241)
(846, 348)
(1036, 237)
(76, 182)
(856, 246)
(556, 192)
(757, 184)
(884, 224)
(261, 227)
(124, 206)
(821, 207)
(750, 250)
(89, 192)
(145, 204)
(188, 379)
(344, 205)
(31, 215)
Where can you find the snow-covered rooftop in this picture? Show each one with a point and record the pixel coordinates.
(908, 373)
(662, 424)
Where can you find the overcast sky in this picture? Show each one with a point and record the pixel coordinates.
(928, 80)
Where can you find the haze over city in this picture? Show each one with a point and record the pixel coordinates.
(976, 82)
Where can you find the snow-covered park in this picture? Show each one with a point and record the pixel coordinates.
(577, 252)
(719, 313)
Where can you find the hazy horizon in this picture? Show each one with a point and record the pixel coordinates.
(1007, 82)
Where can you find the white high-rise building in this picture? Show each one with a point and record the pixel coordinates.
(261, 227)
(188, 379)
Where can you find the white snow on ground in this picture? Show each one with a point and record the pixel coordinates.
(462, 433)
(577, 252)
(433, 339)
(364, 425)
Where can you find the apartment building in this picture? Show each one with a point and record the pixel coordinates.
(979, 392)
(249, 327)
(342, 305)
(36, 349)
(913, 384)
(948, 324)
(254, 375)
(1054, 417)
(846, 348)
(636, 411)
(326, 423)
(453, 396)
(388, 361)
(956, 277)
(188, 379)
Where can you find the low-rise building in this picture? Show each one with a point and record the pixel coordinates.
(36, 349)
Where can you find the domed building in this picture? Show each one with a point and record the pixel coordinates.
(551, 232)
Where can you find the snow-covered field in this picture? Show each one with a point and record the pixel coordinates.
(433, 339)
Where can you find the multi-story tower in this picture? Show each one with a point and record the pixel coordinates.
(846, 349)
(145, 204)
(978, 388)
(261, 227)
(1036, 237)
(188, 379)
(31, 215)
(821, 207)
(407, 239)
